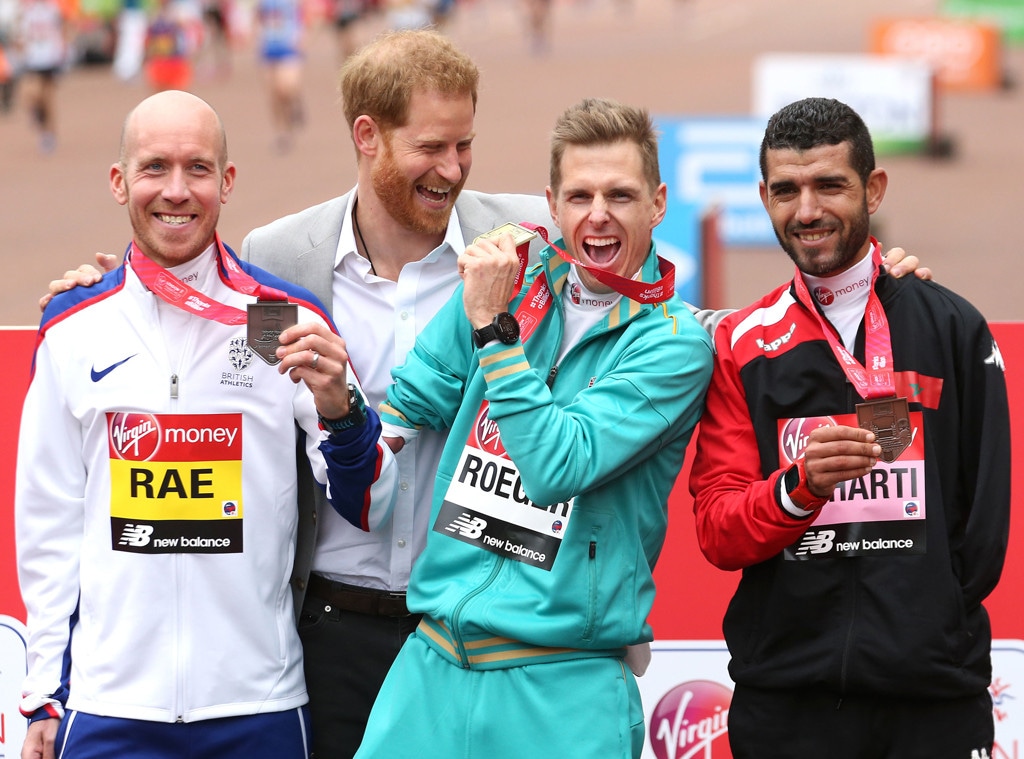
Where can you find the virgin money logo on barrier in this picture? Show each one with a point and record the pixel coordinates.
(691, 720)
(487, 436)
(134, 436)
(794, 433)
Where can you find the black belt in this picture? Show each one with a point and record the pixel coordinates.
(376, 603)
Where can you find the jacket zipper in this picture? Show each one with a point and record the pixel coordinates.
(460, 646)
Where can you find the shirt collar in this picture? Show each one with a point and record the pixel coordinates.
(347, 255)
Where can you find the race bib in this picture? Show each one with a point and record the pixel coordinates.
(486, 506)
(175, 482)
(880, 514)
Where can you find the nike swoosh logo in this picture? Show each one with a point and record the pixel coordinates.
(98, 375)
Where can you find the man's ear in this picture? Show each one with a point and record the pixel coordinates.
(878, 180)
(367, 136)
(117, 184)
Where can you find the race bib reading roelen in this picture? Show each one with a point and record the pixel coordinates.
(487, 507)
(881, 514)
(175, 482)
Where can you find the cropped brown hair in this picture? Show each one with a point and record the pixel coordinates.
(378, 81)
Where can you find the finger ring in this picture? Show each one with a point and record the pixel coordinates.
(316, 360)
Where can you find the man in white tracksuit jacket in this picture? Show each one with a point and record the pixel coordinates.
(157, 481)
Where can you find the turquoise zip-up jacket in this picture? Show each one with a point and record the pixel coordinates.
(608, 426)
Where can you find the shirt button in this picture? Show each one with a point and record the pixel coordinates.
(401, 542)
(404, 315)
(404, 485)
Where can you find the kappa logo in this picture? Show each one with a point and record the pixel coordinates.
(467, 526)
(778, 342)
(135, 535)
(995, 358)
(821, 541)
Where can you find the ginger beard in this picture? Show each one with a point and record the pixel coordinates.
(416, 204)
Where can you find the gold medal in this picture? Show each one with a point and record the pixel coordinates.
(889, 419)
(267, 320)
(519, 233)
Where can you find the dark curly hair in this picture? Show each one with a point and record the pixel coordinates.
(812, 122)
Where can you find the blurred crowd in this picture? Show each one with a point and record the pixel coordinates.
(169, 43)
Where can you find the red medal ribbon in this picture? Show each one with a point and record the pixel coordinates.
(641, 292)
(170, 289)
(876, 380)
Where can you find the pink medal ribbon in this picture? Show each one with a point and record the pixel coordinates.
(641, 292)
(887, 416)
(172, 290)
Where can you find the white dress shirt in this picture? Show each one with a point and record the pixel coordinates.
(373, 313)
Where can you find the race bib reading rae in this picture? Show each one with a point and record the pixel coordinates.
(881, 514)
(175, 482)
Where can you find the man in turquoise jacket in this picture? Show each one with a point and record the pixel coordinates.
(569, 419)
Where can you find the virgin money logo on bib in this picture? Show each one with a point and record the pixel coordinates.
(133, 436)
(794, 433)
(486, 433)
(175, 482)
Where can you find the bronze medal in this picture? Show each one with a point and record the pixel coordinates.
(889, 419)
(267, 319)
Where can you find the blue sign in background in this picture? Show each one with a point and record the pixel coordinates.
(709, 161)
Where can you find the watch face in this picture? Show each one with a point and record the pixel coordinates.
(507, 327)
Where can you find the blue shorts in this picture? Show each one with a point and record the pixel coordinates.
(274, 735)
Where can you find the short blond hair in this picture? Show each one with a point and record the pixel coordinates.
(599, 121)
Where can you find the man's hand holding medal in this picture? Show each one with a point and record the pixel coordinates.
(837, 453)
(311, 353)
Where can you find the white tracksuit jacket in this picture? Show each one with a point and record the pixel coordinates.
(155, 527)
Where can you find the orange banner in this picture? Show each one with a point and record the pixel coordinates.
(966, 55)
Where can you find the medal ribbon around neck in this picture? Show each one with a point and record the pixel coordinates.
(172, 290)
(641, 292)
(877, 379)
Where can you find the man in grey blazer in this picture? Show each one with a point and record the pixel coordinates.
(382, 258)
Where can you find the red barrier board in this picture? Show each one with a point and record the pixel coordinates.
(692, 594)
(691, 601)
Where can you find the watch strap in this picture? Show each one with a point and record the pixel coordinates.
(484, 335)
(795, 482)
(356, 416)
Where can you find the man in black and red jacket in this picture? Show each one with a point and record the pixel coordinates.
(854, 462)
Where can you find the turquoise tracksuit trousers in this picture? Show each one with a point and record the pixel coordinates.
(578, 708)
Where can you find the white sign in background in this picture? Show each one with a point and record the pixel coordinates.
(687, 689)
(685, 693)
(894, 95)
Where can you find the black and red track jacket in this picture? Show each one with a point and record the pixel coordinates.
(884, 622)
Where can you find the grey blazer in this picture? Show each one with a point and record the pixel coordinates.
(301, 248)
